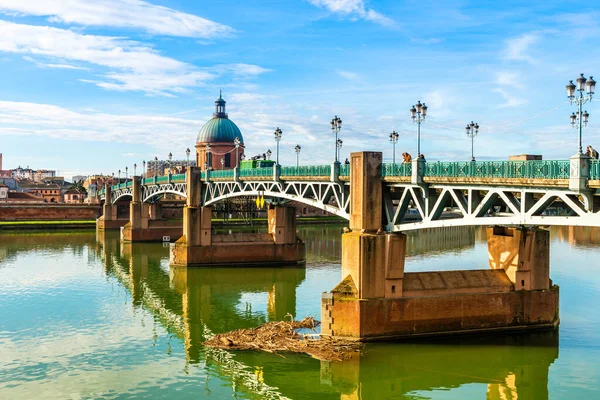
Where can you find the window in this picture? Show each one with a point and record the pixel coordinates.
(227, 160)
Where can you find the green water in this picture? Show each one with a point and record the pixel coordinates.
(85, 317)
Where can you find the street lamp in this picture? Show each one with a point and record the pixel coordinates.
(297, 150)
(134, 169)
(126, 169)
(144, 168)
(170, 158)
(222, 163)
(418, 113)
(278, 134)
(472, 131)
(580, 99)
(237, 143)
(338, 146)
(394, 139)
(119, 177)
(269, 154)
(336, 126)
(208, 162)
(187, 154)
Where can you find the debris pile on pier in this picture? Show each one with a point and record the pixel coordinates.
(282, 336)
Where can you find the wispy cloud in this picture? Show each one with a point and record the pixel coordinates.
(52, 65)
(518, 49)
(355, 9)
(510, 101)
(509, 78)
(351, 76)
(131, 65)
(120, 13)
(431, 40)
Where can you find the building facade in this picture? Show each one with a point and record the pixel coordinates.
(215, 144)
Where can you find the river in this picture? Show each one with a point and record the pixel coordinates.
(82, 316)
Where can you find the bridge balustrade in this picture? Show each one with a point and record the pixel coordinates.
(398, 169)
(226, 173)
(345, 170)
(162, 179)
(543, 169)
(178, 178)
(307, 170)
(254, 172)
(594, 169)
(129, 184)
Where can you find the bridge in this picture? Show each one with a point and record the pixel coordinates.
(437, 194)
(376, 299)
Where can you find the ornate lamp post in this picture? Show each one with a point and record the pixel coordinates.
(580, 119)
(119, 177)
(418, 113)
(237, 143)
(472, 131)
(336, 126)
(170, 165)
(187, 154)
(134, 169)
(394, 139)
(269, 154)
(297, 150)
(338, 146)
(144, 168)
(222, 163)
(278, 134)
(208, 162)
(126, 170)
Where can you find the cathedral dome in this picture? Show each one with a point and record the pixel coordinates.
(219, 129)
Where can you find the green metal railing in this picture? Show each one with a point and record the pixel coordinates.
(178, 178)
(306, 170)
(129, 184)
(255, 172)
(402, 169)
(549, 169)
(225, 173)
(162, 179)
(345, 170)
(594, 169)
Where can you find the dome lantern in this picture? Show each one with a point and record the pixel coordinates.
(220, 107)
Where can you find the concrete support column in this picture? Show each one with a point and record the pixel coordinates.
(524, 254)
(137, 217)
(109, 212)
(155, 211)
(282, 224)
(580, 172)
(417, 171)
(335, 171)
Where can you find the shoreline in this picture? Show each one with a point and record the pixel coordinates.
(91, 224)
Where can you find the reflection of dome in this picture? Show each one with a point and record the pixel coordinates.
(220, 128)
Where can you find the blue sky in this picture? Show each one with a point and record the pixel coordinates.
(91, 87)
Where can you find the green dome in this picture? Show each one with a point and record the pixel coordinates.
(218, 130)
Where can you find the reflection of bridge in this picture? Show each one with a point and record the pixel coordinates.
(415, 196)
(193, 303)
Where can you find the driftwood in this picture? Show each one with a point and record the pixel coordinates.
(282, 336)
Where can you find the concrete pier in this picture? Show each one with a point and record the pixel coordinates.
(378, 300)
(200, 247)
(145, 222)
(109, 218)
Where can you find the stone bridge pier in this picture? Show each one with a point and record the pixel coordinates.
(200, 247)
(378, 300)
(109, 218)
(145, 220)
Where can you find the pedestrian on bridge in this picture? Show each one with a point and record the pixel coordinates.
(591, 152)
(422, 157)
(406, 157)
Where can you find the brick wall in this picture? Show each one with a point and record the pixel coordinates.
(32, 212)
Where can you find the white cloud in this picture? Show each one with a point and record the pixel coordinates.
(132, 65)
(51, 65)
(510, 101)
(120, 13)
(508, 78)
(431, 40)
(354, 8)
(351, 76)
(517, 49)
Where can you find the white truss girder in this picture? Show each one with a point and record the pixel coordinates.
(411, 207)
(329, 196)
